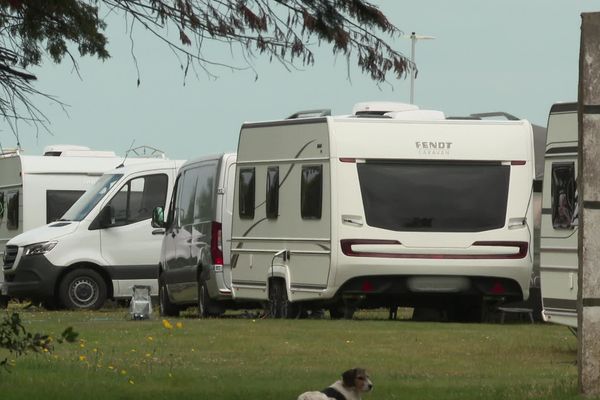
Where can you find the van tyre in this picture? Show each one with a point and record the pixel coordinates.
(166, 308)
(279, 305)
(3, 302)
(82, 289)
(207, 307)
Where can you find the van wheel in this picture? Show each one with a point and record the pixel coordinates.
(166, 308)
(207, 307)
(279, 305)
(341, 311)
(3, 302)
(82, 289)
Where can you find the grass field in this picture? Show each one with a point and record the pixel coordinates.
(245, 358)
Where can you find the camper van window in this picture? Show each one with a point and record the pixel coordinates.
(185, 204)
(2, 206)
(138, 197)
(12, 210)
(434, 197)
(311, 191)
(247, 191)
(205, 193)
(59, 201)
(91, 197)
(272, 192)
(563, 191)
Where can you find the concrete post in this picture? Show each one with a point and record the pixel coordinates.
(588, 355)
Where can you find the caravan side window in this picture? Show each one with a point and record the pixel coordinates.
(272, 192)
(12, 210)
(2, 206)
(247, 191)
(138, 197)
(311, 191)
(564, 196)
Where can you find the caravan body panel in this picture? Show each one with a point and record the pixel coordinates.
(559, 227)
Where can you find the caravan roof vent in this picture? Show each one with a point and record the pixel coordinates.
(67, 150)
(381, 108)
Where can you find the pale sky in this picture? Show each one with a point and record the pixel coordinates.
(515, 56)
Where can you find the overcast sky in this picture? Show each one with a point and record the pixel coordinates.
(515, 56)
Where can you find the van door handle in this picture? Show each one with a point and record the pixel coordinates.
(158, 231)
(354, 220)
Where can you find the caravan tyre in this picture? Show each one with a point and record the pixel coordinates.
(82, 289)
(167, 309)
(279, 305)
(3, 302)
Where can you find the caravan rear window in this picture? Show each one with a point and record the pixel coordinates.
(272, 192)
(311, 191)
(12, 210)
(434, 197)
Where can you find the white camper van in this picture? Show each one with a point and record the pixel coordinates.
(559, 235)
(194, 263)
(101, 247)
(390, 206)
(36, 190)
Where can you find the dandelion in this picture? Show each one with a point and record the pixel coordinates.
(82, 358)
(170, 375)
(123, 372)
(131, 382)
(45, 350)
(167, 324)
(179, 325)
(133, 350)
(111, 367)
(148, 355)
(150, 338)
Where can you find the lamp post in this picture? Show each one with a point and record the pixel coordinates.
(413, 38)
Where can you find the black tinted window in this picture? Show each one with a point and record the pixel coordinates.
(12, 210)
(2, 205)
(272, 192)
(138, 197)
(247, 191)
(205, 193)
(564, 195)
(311, 191)
(59, 201)
(187, 197)
(439, 197)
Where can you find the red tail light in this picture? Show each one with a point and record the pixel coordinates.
(216, 243)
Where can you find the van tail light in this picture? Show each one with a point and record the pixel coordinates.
(216, 243)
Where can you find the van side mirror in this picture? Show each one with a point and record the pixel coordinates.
(158, 217)
(106, 218)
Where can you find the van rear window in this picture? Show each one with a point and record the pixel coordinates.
(434, 197)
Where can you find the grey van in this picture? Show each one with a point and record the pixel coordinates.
(194, 267)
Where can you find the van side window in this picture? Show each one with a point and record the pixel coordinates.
(174, 197)
(138, 197)
(2, 206)
(564, 195)
(205, 193)
(247, 192)
(59, 201)
(311, 191)
(12, 210)
(185, 204)
(272, 192)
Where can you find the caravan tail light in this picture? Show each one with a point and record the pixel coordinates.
(216, 243)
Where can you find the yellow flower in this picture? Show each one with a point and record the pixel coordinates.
(111, 367)
(150, 338)
(167, 324)
(82, 358)
(148, 355)
(179, 325)
(123, 372)
(131, 382)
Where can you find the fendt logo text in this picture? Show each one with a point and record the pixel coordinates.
(433, 148)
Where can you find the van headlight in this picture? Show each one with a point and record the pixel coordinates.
(39, 248)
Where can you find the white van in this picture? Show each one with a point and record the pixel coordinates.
(390, 206)
(559, 260)
(100, 248)
(37, 189)
(194, 263)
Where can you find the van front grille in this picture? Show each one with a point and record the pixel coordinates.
(10, 255)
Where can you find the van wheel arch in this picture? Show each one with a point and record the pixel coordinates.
(103, 273)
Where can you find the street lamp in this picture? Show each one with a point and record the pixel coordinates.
(413, 38)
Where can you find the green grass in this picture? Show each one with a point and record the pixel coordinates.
(242, 358)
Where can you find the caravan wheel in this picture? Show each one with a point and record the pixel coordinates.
(82, 289)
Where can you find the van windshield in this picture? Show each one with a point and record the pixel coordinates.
(434, 196)
(90, 198)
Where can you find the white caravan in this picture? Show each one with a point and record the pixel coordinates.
(559, 235)
(101, 247)
(391, 206)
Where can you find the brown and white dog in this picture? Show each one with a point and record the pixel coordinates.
(354, 382)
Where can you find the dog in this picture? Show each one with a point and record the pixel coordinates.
(354, 382)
